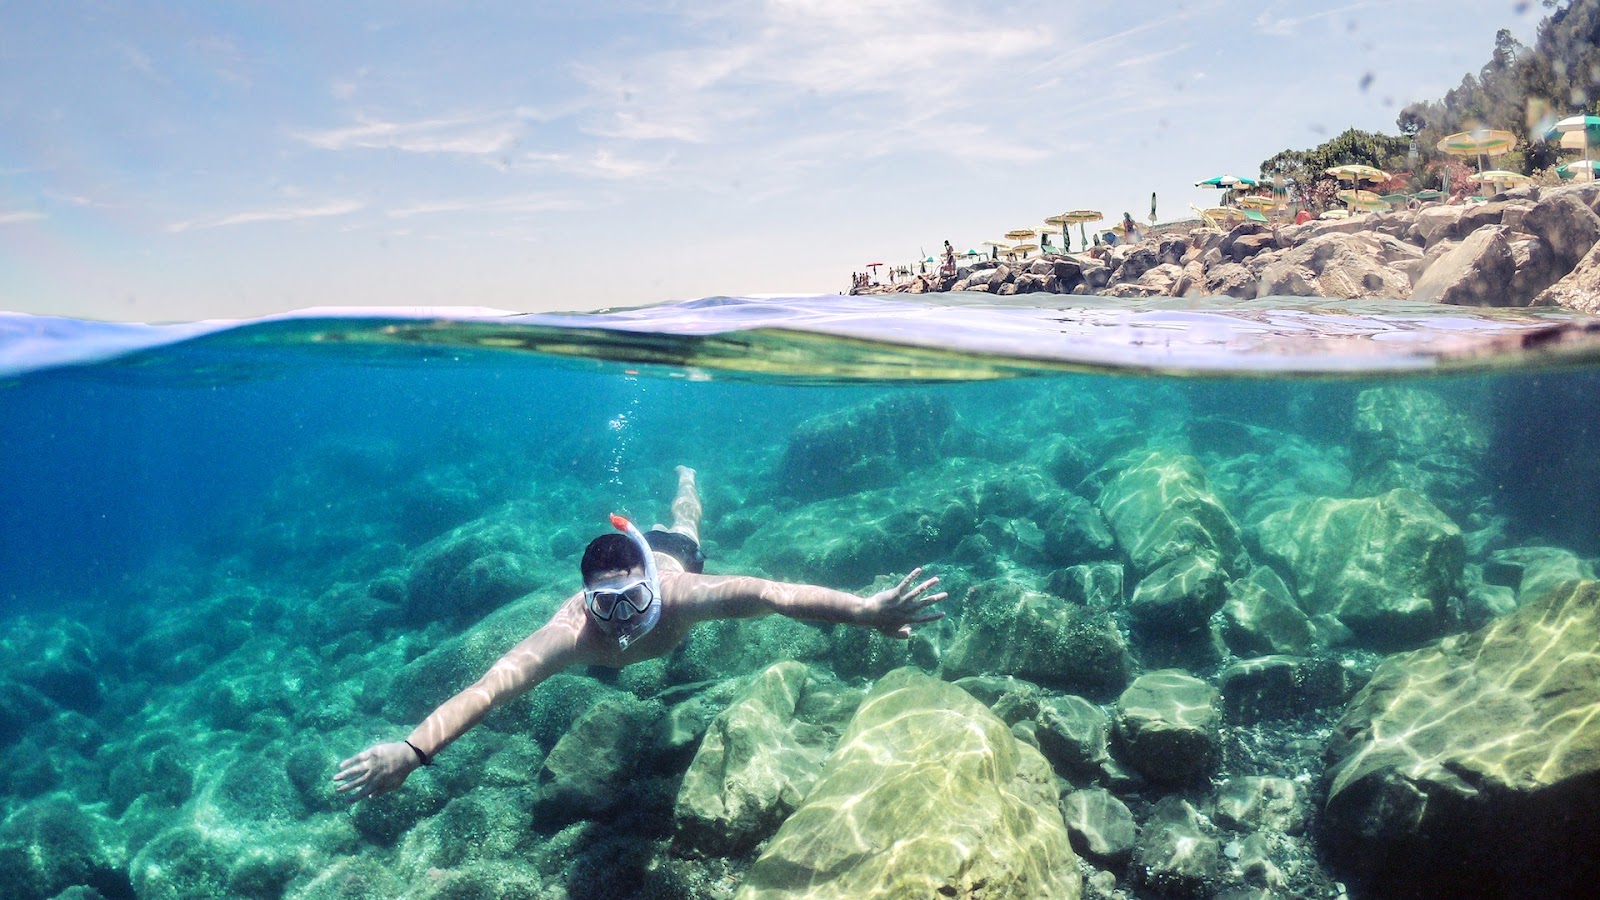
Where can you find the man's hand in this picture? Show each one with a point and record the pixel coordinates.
(895, 610)
(376, 770)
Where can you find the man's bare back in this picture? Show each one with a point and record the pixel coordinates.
(585, 630)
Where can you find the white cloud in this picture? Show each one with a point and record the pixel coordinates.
(470, 135)
(20, 216)
(1285, 26)
(531, 203)
(335, 208)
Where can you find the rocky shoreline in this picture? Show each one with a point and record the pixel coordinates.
(1531, 246)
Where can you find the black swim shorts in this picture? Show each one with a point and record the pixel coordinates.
(680, 547)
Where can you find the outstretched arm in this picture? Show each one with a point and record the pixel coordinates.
(892, 611)
(384, 767)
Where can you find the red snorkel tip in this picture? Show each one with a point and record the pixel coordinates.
(619, 523)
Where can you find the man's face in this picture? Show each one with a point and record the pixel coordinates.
(617, 595)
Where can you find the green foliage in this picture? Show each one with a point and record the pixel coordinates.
(1519, 89)
(1304, 172)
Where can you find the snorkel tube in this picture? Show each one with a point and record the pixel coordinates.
(630, 629)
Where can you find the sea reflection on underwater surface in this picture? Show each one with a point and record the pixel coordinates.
(1195, 616)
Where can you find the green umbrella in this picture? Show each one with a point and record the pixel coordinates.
(1579, 170)
(1227, 182)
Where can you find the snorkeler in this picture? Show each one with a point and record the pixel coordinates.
(641, 595)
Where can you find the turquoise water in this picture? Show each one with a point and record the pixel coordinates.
(233, 554)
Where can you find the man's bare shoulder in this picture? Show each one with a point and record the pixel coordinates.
(702, 597)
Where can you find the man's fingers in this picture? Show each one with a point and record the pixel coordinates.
(910, 576)
(922, 587)
(928, 615)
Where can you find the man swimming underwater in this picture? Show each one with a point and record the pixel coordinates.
(641, 595)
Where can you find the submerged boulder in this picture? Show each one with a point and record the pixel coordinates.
(470, 571)
(755, 764)
(1168, 726)
(928, 794)
(1160, 509)
(1472, 767)
(591, 769)
(867, 446)
(1007, 630)
(1420, 439)
(1384, 566)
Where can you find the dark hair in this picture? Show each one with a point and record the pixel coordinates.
(609, 552)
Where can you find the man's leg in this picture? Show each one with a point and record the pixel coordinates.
(686, 506)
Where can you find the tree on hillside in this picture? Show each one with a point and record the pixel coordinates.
(1304, 172)
(1520, 89)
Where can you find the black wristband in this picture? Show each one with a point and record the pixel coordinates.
(423, 757)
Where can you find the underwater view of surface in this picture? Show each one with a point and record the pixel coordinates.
(1282, 598)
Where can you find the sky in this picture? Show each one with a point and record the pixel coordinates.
(178, 161)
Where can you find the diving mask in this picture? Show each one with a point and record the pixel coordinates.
(628, 610)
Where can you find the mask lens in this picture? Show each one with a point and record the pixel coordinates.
(635, 599)
(603, 602)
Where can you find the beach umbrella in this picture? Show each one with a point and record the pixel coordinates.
(1500, 176)
(1080, 216)
(1365, 200)
(1356, 173)
(1227, 182)
(1018, 234)
(1479, 142)
(1578, 170)
(1256, 202)
(1576, 132)
(1024, 249)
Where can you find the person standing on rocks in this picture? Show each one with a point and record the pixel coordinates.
(642, 593)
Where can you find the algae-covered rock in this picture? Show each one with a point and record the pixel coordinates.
(1160, 508)
(1073, 734)
(1007, 630)
(1174, 854)
(1261, 617)
(1100, 825)
(1253, 802)
(1472, 767)
(1534, 571)
(1167, 723)
(1095, 585)
(59, 658)
(1419, 439)
(864, 447)
(1179, 597)
(927, 794)
(52, 844)
(588, 771)
(470, 571)
(351, 878)
(752, 769)
(1383, 565)
(481, 826)
(1281, 687)
(1012, 699)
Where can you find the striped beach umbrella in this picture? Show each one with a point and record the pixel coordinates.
(1358, 173)
(1578, 170)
